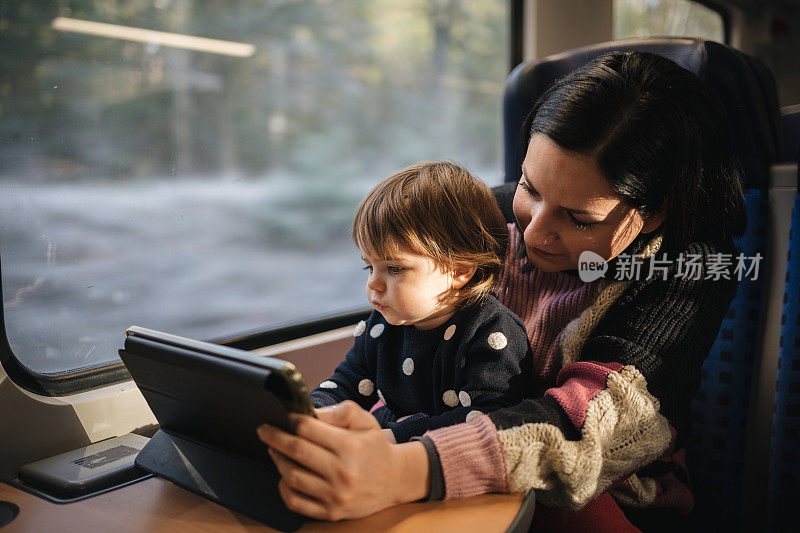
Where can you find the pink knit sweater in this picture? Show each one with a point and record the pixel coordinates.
(471, 456)
(545, 301)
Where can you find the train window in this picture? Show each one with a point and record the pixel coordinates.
(194, 166)
(645, 18)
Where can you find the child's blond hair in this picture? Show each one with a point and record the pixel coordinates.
(437, 209)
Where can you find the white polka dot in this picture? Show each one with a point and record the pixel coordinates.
(376, 331)
(449, 332)
(472, 415)
(497, 340)
(408, 366)
(380, 397)
(366, 387)
(450, 398)
(464, 398)
(360, 327)
(328, 384)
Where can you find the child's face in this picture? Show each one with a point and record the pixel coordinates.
(410, 289)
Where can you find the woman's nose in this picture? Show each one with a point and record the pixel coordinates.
(540, 232)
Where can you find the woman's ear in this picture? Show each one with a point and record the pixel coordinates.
(462, 275)
(654, 221)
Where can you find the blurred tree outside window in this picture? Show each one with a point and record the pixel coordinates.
(651, 18)
(205, 193)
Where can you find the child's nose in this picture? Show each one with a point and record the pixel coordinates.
(375, 283)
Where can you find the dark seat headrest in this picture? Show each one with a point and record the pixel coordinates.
(745, 87)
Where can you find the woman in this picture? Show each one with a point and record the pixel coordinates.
(627, 156)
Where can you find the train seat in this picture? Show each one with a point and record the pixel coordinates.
(748, 93)
(746, 88)
(784, 485)
(790, 127)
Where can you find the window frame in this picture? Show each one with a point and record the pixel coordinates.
(93, 377)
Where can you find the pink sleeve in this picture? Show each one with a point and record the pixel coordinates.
(471, 458)
(577, 384)
(378, 404)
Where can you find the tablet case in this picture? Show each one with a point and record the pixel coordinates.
(240, 485)
(208, 408)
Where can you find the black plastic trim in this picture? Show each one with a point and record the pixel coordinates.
(17, 484)
(254, 339)
(516, 33)
(56, 383)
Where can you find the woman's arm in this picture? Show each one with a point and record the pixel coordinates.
(340, 465)
(611, 411)
(602, 421)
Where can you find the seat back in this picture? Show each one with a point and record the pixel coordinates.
(784, 488)
(716, 451)
(746, 88)
(748, 93)
(790, 130)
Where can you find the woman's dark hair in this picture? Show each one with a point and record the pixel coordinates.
(658, 134)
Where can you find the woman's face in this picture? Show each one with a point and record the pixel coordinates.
(565, 206)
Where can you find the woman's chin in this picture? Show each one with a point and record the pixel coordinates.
(556, 264)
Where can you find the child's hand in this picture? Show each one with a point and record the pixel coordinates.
(389, 436)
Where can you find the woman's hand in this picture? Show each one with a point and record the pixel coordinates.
(389, 434)
(340, 465)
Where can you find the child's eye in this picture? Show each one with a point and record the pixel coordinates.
(368, 268)
(580, 224)
(394, 270)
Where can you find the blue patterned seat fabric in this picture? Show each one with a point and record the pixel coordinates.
(784, 490)
(719, 410)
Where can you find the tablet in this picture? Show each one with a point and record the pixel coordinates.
(208, 400)
(214, 393)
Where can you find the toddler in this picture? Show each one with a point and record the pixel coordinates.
(439, 348)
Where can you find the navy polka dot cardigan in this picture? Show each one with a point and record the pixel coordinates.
(474, 363)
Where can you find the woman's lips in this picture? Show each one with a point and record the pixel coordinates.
(539, 251)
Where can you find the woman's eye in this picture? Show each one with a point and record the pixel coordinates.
(530, 190)
(580, 224)
(395, 270)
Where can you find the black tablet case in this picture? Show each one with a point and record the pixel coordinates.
(208, 409)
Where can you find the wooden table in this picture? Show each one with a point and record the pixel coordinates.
(157, 505)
